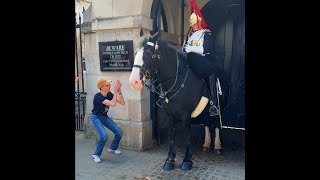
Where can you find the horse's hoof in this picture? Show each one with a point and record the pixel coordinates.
(218, 151)
(168, 165)
(205, 149)
(185, 166)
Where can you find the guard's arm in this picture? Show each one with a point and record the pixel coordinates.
(195, 49)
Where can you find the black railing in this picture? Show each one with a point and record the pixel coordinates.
(80, 94)
(80, 103)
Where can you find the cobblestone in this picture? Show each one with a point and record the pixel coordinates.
(147, 165)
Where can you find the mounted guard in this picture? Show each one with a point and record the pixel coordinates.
(200, 55)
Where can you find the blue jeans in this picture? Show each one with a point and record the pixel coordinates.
(99, 122)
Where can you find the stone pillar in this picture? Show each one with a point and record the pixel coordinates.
(118, 20)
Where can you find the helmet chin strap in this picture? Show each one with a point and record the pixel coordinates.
(199, 26)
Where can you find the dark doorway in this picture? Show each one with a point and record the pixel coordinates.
(226, 19)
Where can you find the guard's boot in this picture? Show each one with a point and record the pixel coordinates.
(213, 110)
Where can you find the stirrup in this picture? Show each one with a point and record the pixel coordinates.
(213, 110)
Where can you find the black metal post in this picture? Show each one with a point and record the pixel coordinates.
(182, 21)
(77, 68)
(82, 99)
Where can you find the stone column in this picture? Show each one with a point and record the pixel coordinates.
(118, 20)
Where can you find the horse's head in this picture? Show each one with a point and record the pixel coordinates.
(145, 64)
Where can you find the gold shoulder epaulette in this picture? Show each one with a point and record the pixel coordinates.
(207, 30)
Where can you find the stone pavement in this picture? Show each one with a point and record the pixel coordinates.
(147, 165)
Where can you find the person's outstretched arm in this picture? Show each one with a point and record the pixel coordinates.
(112, 102)
(120, 100)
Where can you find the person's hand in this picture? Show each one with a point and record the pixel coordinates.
(117, 87)
(120, 83)
(187, 48)
(195, 49)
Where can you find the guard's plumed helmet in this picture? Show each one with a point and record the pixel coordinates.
(196, 15)
(194, 19)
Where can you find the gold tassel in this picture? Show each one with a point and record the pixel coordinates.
(167, 100)
(156, 46)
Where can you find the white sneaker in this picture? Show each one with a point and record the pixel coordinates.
(114, 151)
(96, 158)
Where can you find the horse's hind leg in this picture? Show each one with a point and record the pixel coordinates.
(207, 140)
(207, 127)
(217, 142)
(187, 162)
(169, 164)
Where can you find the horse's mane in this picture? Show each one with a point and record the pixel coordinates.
(169, 50)
(163, 43)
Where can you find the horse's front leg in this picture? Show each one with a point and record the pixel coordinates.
(187, 162)
(169, 164)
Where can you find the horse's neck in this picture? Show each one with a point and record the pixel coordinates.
(169, 73)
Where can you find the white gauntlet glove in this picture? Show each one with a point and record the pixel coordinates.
(195, 49)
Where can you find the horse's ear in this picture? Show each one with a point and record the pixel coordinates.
(141, 33)
(154, 36)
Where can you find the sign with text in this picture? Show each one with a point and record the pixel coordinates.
(116, 55)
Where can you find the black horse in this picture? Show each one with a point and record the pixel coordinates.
(163, 69)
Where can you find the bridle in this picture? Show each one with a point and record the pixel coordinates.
(148, 72)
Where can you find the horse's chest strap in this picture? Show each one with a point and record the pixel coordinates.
(178, 90)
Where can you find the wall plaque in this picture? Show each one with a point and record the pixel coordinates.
(116, 55)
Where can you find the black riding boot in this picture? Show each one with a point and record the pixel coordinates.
(213, 110)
